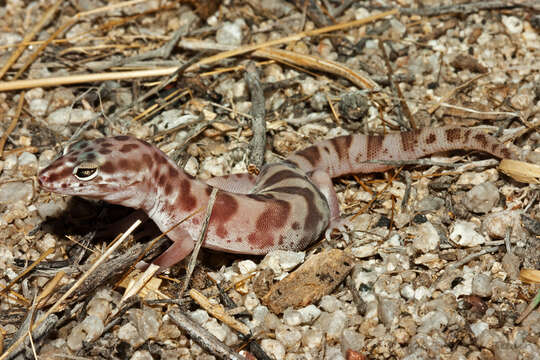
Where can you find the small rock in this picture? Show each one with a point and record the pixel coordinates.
(273, 348)
(422, 293)
(388, 311)
(318, 101)
(289, 336)
(89, 330)
(28, 164)
(282, 260)
(246, 267)
(481, 285)
(482, 198)
(365, 251)
(128, 333)
(464, 234)
(221, 331)
(351, 340)
(429, 204)
(230, 33)
(12, 192)
(478, 327)
(433, 321)
(312, 338)
(292, 317)
(332, 324)
(489, 337)
(200, 316)
(141, 355)
(427, 238)
(513, 24)
(309, 313)
(329, 303)
(38, 107)
(67, 115)
(251, 301)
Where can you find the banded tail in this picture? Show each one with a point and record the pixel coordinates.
(351, 154)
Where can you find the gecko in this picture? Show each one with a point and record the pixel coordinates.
(288, 205)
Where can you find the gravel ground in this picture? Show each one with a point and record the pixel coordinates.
(432, 268)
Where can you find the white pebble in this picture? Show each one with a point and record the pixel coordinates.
(352, 340)
(12, 192)
(482, 198)
(68, 115)
(259, 314)
(333, 324)
(141, 355)
(481, 285)
(282, 260)
(28, 164)
(273, 348)
(99, 307)
(88, 330)
(365, 251)
(246, 267)
(292, 317)
(312, 338)
(129, 334)
(513, 24)
(38, 107)
(220, 331)
(422, 293)
(464, 234)
(230, 34)
(149, 323)
(433, 321)
(496, 224)
(407, 291)
(200, 316)
(10, 164)
(478, 327)
(427, 238)
(289, 336)
(309, 313)
(329, 303)
(251, 301)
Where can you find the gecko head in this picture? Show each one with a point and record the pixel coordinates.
(113, 169)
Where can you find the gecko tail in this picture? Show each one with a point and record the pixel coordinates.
(353, 154)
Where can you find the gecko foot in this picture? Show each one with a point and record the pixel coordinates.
(342, 225)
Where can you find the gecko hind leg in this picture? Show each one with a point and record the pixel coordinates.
(326, 186)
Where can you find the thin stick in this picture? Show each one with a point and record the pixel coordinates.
(446, 97)
(74, 287)
(203, 337)
(12, 124)
(198, 244)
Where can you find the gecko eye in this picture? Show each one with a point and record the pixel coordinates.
(85, 171)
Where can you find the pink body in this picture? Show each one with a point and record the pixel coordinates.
(288, 206)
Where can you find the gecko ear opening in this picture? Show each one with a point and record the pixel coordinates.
(85, 171)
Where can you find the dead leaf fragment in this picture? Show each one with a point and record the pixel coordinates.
(521, 171)
(318, 276)
(530, 276)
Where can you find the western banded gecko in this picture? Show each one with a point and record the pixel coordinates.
(289, 205)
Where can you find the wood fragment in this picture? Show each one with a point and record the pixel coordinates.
(218, 311)
(521, 171)
(258, 115)
(200, 240)
(12, 125)
(203, 337)
(318, 276)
